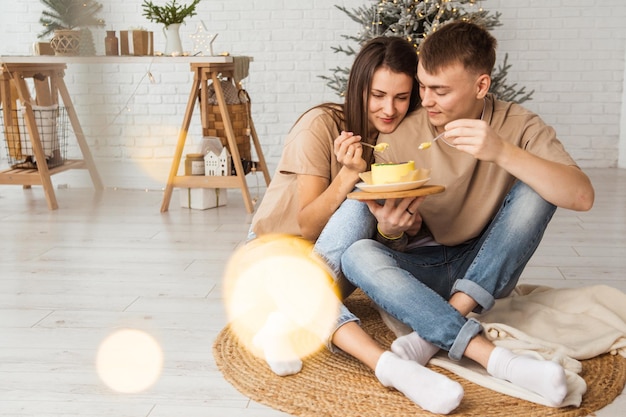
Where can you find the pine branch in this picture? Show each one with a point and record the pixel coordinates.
(69, 14)
(504, 91)
(169, 14)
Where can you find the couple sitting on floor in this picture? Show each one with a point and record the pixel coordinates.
(426, 261)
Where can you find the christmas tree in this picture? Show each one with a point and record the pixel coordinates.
(414, 20)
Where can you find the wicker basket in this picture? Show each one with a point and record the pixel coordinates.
(239, 118)
(66, 42)
(52, 126)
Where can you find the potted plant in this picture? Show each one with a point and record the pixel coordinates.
(70, 21)
(171, 16)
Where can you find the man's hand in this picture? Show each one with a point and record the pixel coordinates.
(397, 216)
(476, 138)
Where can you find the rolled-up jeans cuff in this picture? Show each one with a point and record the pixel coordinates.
(484, 299)
(345, 316)
(469, 330)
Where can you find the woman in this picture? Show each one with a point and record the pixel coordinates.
(322, 156)
(320, 165)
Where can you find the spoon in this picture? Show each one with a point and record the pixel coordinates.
(426, 145)
(379, 147)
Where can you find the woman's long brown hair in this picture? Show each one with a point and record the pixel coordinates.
(391, 52)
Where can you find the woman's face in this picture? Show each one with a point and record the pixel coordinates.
(389, 99)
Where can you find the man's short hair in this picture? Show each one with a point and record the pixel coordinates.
(459, 41)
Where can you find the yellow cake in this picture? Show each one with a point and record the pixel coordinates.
(386, 173)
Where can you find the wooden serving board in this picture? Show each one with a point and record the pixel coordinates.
(417, 192)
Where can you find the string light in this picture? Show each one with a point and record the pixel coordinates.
(126, 108)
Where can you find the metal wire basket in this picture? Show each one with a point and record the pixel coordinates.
(52, 126)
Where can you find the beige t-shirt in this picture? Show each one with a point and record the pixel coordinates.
(308, 150)
(474, 189)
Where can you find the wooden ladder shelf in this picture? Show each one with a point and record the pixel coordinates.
(203, 73)
(49, 84)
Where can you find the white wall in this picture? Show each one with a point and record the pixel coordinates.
(571, 55)
(622, 137)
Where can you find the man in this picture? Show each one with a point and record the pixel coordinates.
(436, 259)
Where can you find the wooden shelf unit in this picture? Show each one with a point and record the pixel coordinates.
(49, 84)
(203, 73)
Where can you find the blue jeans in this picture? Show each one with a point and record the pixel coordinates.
(415, 286)
(350, 223)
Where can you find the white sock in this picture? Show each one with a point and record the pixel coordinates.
(414, 348)
(273, 340)
(428, 389)
(542, 377)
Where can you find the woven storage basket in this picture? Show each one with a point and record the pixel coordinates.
(239, 118)
(66, 42)
(52, 126)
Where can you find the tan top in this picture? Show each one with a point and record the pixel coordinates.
(308, 150)
(474, 189)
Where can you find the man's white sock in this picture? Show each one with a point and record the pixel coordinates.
(542, 377)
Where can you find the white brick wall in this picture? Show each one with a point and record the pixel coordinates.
(571, 53)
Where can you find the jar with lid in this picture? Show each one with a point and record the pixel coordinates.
(111, 43)
(194, 164)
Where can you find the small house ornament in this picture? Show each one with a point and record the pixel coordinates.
(217, 164)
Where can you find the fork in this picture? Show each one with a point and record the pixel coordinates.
(426, 145)
(379, 147)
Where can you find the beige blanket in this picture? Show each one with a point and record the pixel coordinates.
(563, 325)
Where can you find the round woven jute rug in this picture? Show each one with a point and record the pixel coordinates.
(338, 385)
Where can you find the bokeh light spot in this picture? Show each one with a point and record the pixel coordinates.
(129, 361)
(279, 273)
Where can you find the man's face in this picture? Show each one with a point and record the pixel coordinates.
(450, 94)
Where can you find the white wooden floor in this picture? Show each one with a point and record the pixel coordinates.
(70, 277)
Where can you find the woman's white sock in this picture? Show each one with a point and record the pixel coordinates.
(273, 340)
(414, 348)
(432, 391)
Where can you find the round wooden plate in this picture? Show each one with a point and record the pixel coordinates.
(417, 192)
